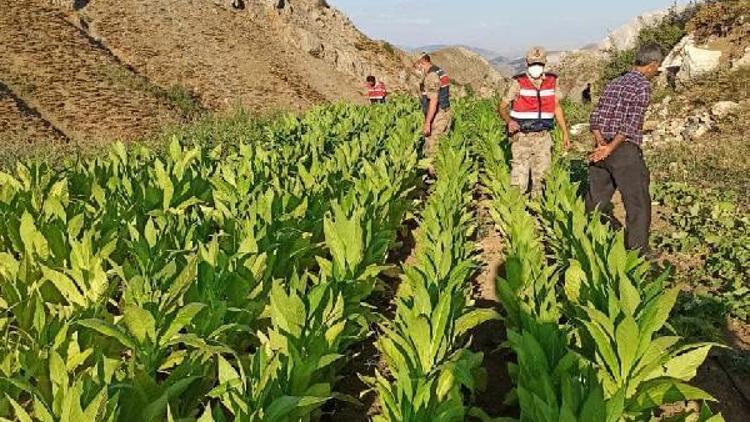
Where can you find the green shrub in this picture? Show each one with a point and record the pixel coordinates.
(717, 18)
(186, 101)
(665, 33)
(576, 112)
(620, 61)
(389, 48)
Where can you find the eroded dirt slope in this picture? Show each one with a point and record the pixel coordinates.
(227, 57)
(73, 83)
(19, 123)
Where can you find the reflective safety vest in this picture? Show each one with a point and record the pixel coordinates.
(534, 108)
(444, 93)
(376, 93)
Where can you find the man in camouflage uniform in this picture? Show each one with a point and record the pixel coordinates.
(435, 99)
(530, 108)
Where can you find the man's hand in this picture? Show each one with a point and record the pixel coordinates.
(600, 153)
(566, 141)
(598, 139)
(513, 127)
(427, 129)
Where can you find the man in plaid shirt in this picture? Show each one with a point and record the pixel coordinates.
(617, 160)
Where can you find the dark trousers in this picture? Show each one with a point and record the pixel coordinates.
(625, 170)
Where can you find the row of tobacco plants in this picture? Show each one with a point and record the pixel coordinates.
(586, 319)
(430, 369)
(219, 280)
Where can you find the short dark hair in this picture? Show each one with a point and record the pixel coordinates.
(648, 54)
(371, 79)
(426, 58)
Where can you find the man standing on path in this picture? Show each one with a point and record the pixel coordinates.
(586, 94)
(376, 91)
(617, 160)
(530, 108)
(436, 104)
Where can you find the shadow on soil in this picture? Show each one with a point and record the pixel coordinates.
(488, 338)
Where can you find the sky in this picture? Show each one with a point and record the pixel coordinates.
(504, 26)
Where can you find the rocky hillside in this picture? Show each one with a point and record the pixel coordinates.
(487, 54)
(707, 78)
(703, 93)
(576, 69)
(469, 69)
(626, 35)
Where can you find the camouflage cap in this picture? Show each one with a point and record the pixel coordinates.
(536, 55)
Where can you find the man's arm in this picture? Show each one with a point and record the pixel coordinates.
(504, 109)
(598, 138)
(636, 102)
(431, 112)
(560, 117)
(596, 126)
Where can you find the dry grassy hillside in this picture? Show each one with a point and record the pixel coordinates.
(224, 56)
(19, 122)
(68, 79)
(103, 70)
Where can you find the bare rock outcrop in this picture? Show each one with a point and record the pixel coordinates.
(232, 4)
(723, 109)
(743, 61)
(625, 37)
(469, 71)
(662, 126)
(697, 61)
(322, 31)
(66, 4)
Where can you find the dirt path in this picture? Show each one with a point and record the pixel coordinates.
(68, 79)
(366, 357)
(488, 337)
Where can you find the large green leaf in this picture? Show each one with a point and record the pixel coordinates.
(33, 240)
(627, 338)
(65, 286)
(664, 391)
(474, 318)
(684, 366)
(140, 323)
(109, 330)
(21, 413)
(183, 317)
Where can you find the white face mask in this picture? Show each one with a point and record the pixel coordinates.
(536, 71)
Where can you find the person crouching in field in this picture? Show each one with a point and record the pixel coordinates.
(617, 160)
(530, 108)
(435, 96)
(376, 91)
